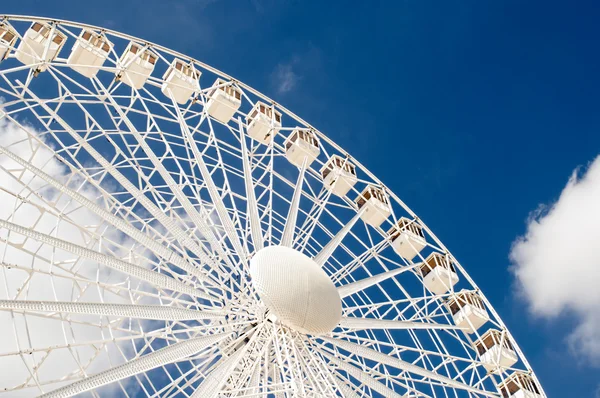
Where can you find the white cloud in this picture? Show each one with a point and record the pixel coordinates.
(285, 78)
(557, 261)
(19, 332)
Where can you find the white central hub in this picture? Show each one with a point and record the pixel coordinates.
(296, 290)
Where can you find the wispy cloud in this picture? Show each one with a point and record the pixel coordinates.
(305, 63)
(284, 77)
(557, 262)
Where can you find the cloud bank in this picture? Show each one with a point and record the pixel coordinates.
(557, 262)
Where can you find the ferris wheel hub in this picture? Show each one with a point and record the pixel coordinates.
(296, 289)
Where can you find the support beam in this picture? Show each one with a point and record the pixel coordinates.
(251, 204)
(370, 323)
(155, 312)
(322, 257)
(355, 287)
(154, 278)
(362, 376)
(157, 213)
(167, 355)
(395, 362)
(287, 237)
(137, 235)
(213, 192)
(214, 382)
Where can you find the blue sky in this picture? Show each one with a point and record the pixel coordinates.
(473, 112)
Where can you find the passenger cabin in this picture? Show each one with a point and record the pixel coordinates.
(376, 205)
(339, 175)
(224, 100)
(89, 53)
(8, 38)
(468, 310)
(407, 238)
(302, 144)
(438, 273)
(519, 385)
(137, 64)
(263, 122)
(180, 81)
(495, 350)
(41, 43)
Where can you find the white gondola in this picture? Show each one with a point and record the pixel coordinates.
(495, 350)
(89, 53)
(302, 144)
(137, 64)
(468, 310)
(339, 175)
(438, 273)
(407, 238)
(180, 81)
(519, 385)
(8, 38)
(376, 204)
(224, 100)
(41, 43)
(263, 122)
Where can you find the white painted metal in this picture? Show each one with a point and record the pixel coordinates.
(224, 99)
(301, 146)
(162, 357)
(41, 43)
(89, 53)
(468, 311)
(339, 175)
(375, 205)
(407, 238)
(263, 122)
(137, 64)
(8, 37)
(180, 81)
(129, 226)
(438, 273)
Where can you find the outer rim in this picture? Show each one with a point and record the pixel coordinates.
(321, 136)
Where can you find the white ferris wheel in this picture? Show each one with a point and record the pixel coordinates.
(166, 230)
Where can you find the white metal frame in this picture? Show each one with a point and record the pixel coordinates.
(127, 226)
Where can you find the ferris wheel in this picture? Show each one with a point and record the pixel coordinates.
(166, 230)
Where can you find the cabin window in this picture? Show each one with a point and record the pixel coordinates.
(178, 65)
(277, 117)
(510, 388)
(8, 36)
(106, 47)
(152, 59)
(454, 307)
(133, 49)
(37, 26)
(86, 35)
(57, 39)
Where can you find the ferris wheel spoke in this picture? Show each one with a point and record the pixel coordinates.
(160, 215)
(110, 218)
(311, 221)
(213, 192)
(198, 219)
(290, 223)
(344, 387)
(360, 285)
(397, 363)
(136, 271)
(162, 357)
(374, 323)
(360, 375)
(156, 312)
(322, 257)
(216, 379)
(251, 203)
